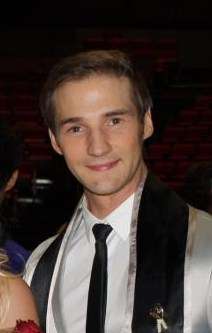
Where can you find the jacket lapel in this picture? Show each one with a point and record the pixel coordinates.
(161, 245)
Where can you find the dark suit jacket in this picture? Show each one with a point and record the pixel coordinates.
(161, 243)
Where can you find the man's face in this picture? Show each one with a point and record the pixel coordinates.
(100, 134)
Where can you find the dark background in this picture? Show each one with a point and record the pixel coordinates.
(48, 28)
(35, 34)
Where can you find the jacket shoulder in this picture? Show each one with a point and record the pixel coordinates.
(35, 257)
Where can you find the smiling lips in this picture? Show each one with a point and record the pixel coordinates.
(103, 167)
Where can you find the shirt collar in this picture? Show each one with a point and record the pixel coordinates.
(119, 219)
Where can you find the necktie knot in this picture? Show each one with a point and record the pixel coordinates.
(101, 231)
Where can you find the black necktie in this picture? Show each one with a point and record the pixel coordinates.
(97, 296)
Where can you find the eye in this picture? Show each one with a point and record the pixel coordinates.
(75, 129)
(115, 121)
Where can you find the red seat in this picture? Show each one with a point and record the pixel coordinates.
(182, 151)
(196, 134)
(182, 167)
(209, 137)
(206, 122)
(158, 151)
(4, 102)
(31, 130)
(173, 134)
(164, 169)
(204, 152)
(25, 102)
(204, 100)
(5, 113)
(40, 152)
(26, 170)
(40, 148)
(206, 114)
(23, 88)
(189, 117)
(27, 115)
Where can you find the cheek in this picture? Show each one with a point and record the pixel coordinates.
(133, 143)
(73, 154)
(135, 150)
(127, 144)
(71, 157)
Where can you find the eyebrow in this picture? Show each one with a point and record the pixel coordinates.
(69, 121)
(117, 112)
(108, 114)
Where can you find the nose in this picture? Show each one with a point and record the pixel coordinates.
(98, 143)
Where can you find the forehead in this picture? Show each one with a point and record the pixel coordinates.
(96, 90)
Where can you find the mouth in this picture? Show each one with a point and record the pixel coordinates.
(103, 166)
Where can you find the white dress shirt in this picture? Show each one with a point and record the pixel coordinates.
(69, 309)
(77, 264)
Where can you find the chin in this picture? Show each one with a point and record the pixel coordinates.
(101, 192)
(104, 189)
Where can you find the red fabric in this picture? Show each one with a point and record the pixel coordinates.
(26, 327)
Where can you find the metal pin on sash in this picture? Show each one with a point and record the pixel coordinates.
(157, 313)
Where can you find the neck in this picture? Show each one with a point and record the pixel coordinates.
(101, 207)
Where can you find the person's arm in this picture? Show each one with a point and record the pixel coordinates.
(21, 303)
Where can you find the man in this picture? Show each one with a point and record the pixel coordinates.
(98, 112)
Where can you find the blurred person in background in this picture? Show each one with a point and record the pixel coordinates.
(11, 154)
(16, 300)
(17, 307)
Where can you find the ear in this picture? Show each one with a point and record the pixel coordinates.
(11, 182)
(148, 125)
(55, 143)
